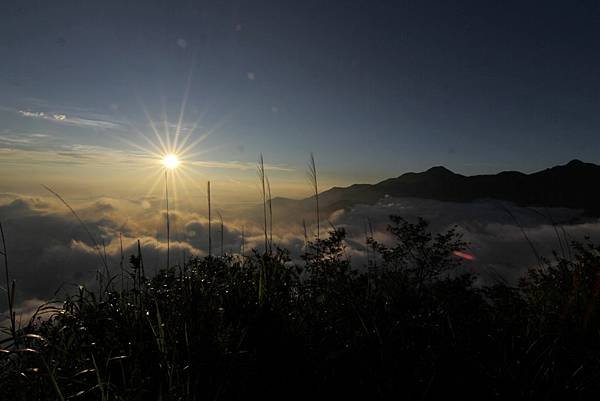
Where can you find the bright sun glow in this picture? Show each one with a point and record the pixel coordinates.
(170, 161)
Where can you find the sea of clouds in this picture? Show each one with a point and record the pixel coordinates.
(51, 252)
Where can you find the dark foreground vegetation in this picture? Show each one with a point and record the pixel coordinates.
(411, 326)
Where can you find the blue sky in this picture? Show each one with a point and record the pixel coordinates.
(375, 89)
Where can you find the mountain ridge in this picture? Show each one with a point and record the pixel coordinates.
(570, 185)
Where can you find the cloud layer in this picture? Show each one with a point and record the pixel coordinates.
(50, 251)
(505, 239)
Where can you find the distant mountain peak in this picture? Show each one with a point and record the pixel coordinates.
(439, 170)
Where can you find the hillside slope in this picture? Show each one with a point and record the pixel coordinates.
(572, 185)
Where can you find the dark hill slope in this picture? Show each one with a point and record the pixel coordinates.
(573, 185)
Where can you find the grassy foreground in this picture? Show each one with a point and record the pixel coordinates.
(411, 326)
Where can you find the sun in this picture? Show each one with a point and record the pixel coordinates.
(170, 161)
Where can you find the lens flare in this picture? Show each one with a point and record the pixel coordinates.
(464, 255)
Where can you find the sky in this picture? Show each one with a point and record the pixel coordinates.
(373, 88)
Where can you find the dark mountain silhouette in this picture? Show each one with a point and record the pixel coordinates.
(573, 185)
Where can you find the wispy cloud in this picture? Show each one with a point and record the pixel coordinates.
(80, 121)
(32, 114)
(8, 140)
(27, 151)
(237, 165)
(20, 139)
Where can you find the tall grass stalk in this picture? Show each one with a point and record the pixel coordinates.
(209, 221)
(563, 240)
(270, 200)
(523, 232)
(168, 220)
(222, 236)
(371, 251)
(10, 287)
(312, 177)
(122, 261)
(243, 242)
(305, 232)
(367, 253)
(262, 268)
(83, 225)
(372, 240)
(101, 386)
(262, 183)
(141, 272)
(53, 379)
(106, 271)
